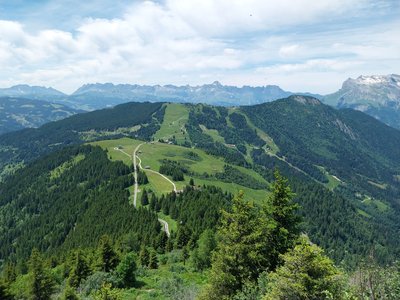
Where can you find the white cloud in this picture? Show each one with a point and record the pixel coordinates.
(254, 42)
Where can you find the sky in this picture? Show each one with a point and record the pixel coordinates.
(300, 45)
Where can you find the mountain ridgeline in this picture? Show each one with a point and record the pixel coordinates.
(19, 113)
(342, 165)
(101, 95)
(376, 95)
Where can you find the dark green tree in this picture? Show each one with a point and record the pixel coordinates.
(153, 261)
(9, 272)
(162, 241)
(144, 256)
(69, 294)
(182, 237)
(307, 273)
(142, 177)
(191, 182)
(153, 201)
(244, 242)
(185, 254)
(126, 270)
(107, 258)
(79, 270)
(4, 293)
(201, 256)
(145, 198)
(41, 283)
(281, 208)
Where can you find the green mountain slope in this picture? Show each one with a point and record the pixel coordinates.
(343, 165)
(56, 203)
(132, 119)
(350, 145)
(19, 113)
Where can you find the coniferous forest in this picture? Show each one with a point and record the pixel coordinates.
(69, 229)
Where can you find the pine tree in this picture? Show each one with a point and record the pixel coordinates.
(126, 269)
(153, 202)
(4, 293)
(70, 294)
(79, 270)
(162, 241)
(244, 242)
(9, 272)
(201, 256)
(145, 198)
(306, 273)
(41, 285)
(281, 208)
(144, 256)
(170, 245)
(107, 258)
(185, 254)
(191, 182)
(153, 262)
(182, 237)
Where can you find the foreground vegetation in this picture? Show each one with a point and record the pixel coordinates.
(247, 251)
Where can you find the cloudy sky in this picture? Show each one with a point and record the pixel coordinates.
(300, 45)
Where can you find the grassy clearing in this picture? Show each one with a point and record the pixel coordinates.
(249, 194)
(175, 118)
(377, 204)
(363, 213)
(270, 146)
(173, 226)
(65, 166)
(152, 154)
(213, 133)
(333, 181)
(126, 144)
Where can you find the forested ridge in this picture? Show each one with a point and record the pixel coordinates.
(29, 144)
(66, 215)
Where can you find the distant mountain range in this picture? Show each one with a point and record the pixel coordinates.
(32, 92)
(99, 95)
(378, 96)
(19, 113)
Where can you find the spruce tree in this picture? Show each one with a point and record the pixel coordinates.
(306, 273)
(126, 270)
(69, 294)
(182, 237)
(162, 241)
(281, 208)
(145, 198)
(153, 202)
(144, 256)
(4, 293)
(244, 240)
(201, 256)
(153, 261)
(9, 272)
(107, 258)
(41, 285)
(79, 270)
(185, 254)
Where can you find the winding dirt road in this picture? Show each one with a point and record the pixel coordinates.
(134, 157)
